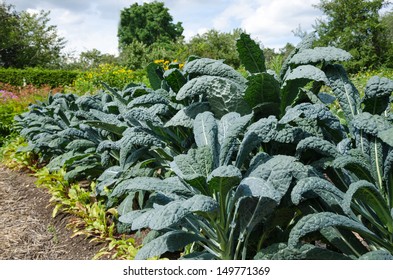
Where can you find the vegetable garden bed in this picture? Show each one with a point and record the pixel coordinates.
(215, 165)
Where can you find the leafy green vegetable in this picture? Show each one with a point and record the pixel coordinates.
(250, 54)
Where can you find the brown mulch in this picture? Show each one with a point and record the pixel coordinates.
(27, 229)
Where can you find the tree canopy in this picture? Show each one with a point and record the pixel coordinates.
(355, 25)
(147, 23)
(28, 40)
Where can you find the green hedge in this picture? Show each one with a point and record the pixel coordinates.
(37, 77)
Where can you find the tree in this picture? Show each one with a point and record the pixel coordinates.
(27, 40)
(387, 21)
(355, 26)
(93, 58)
(40, 43)
(147, 23)
(135, 55)
(216, 45)
(9, 33)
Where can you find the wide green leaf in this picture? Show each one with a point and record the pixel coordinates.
(215, 68)
(377, 255)
(205, 131)
(224, 178)
(318, 221)
(359, 166)
(318, 145)
(296, 79)
(80, 145)
(167, 215)
(194, 167)
(185, 117)
(386, 136)
(371, 124)
(139, 137)
(154, 73)
(366, 193)
(311, 187)
(148, 100)
(224, 97)
(151, 184)
(230, 127)
(169, 242)
(376, 95)
(344, 90)
(282, 251)
(262, 88)
(318, 113)
(175, 79)
(259, 132)
(250, 54)
(280, 171)
(114, 128)
(320, 55)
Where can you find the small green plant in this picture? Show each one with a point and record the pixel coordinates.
(119, 248)
(90, 217)
(13, 156)
(52, 230)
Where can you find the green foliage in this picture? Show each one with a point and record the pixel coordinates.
(91, 218)
(134, 55)
(147, 23)
(122, 248)
(11, 156)
(224, 166)
(9, 32)
(250, 54)
(216, 45)
(93, 58)
(363, 34)
(138, 55)
(14, 101)
(115, 76)
(28, 40)
(37, 77)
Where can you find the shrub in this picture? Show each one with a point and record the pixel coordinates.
(37, 77)
(113, 75)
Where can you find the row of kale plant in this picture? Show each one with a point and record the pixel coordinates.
(219, 166)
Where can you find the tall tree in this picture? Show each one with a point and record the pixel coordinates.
(355, 25)
(9, 33)
(41, 44)
(147, 23)
(28, 40)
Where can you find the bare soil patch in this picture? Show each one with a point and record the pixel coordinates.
(27, 229)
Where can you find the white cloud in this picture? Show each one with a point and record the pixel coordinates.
(93, 24)
(233, 15)
(272, 22)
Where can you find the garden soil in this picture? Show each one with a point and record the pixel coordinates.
(27, 229)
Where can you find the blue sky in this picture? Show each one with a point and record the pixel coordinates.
(91, 24)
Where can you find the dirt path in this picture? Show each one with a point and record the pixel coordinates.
(27, 230)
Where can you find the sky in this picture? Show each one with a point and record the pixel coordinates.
(88, 24)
